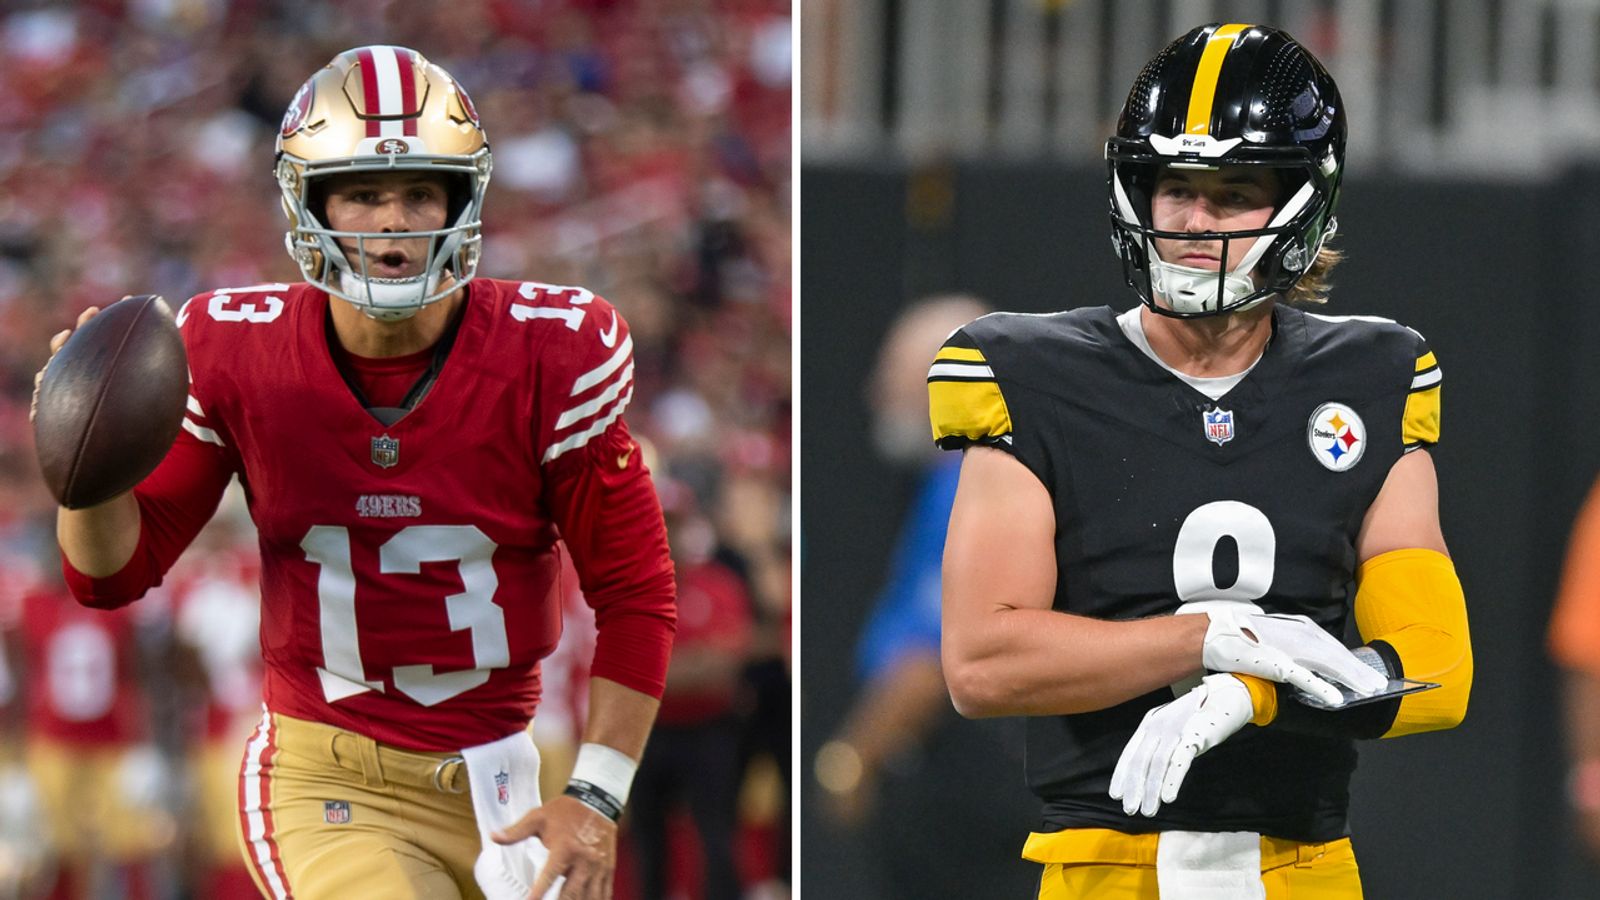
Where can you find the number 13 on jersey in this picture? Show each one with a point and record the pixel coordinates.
(472, 610)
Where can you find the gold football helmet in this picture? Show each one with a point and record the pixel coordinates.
(382, 108)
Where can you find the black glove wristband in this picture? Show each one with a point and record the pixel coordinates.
(594, 798)
(1364, 722)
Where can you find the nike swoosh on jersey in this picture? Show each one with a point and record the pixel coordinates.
(609, 336)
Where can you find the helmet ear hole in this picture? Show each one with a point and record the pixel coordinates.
(458, 188)
(317, 199)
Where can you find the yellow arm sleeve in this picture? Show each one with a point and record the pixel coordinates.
(1412, 601)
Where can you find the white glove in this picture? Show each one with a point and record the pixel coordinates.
(1157, 757)
(503, 778)
(508, 873)
(144, 778)
(1290, 649)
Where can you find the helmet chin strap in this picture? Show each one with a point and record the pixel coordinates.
(1191, 290)
(389, 300)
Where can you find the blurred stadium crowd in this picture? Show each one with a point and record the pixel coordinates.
(642, 149)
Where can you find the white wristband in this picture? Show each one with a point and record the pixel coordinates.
(607, 768)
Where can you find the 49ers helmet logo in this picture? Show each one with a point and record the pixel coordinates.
(393, 146)
(299, 110)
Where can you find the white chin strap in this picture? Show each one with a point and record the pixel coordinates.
(389, 299)
(1189, 290)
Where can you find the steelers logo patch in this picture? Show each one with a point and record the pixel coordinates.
(1337, 436)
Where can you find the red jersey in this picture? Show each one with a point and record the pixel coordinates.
(409, 572)
(713, 614)
(217, 612)
(81, 681)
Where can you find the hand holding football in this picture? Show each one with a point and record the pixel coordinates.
(110, 402)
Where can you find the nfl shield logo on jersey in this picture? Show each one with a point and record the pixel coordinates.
(385, 451)
(336, 812)
(502, 787)
(1219, 425)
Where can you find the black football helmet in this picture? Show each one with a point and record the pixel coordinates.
(1228, 95)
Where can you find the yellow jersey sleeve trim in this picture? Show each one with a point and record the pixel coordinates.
(1412, 600)
(1420, 422)
(960, 354)
(974, 410)
(1426, 361)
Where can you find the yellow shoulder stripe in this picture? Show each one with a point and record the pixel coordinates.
(1426, 361)
(1206, 74)
(1421, 420)
(960, 354)
(969, 409)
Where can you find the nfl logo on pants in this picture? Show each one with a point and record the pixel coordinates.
(336, 812)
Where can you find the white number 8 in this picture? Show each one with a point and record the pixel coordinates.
(1196, 546)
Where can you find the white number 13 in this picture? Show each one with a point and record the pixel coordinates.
(473, 610)
(577, 298)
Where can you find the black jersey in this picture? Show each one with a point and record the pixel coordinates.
(1164, 496)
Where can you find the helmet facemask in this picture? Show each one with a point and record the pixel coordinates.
(1282, 253)
(315, 247)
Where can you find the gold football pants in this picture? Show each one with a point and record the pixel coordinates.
(327, 814)
(86, 810)
(1100, 864)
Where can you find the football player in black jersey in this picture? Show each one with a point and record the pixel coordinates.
(1167, 517)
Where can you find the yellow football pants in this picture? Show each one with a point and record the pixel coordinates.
(327, 814)
(1100, 864)
(85, 808)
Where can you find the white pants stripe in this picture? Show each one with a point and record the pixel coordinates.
(255, 796)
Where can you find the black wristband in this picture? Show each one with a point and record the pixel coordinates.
(1365, 722)
(595, 798)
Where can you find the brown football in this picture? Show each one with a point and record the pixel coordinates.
(111, 402)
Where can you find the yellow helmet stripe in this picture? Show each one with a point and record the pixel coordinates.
(1204, 90)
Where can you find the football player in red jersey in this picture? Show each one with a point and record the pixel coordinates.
(89, 748)
(412, 441)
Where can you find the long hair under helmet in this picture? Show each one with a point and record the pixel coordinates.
(382, 109)
(1228, 95)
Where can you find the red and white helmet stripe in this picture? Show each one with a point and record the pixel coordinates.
(389, 85)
